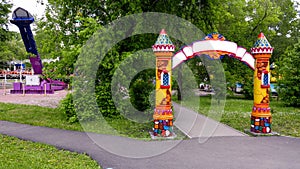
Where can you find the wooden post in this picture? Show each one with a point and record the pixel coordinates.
(4, 83)
(21, 75)
(23, 86)
(4, 87)
(45, 90)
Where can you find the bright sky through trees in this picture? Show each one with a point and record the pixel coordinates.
(36, 9)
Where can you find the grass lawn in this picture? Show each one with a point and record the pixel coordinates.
(35, 115)
(286, 120)
(40, 154)
(16, 153)
(55, 118)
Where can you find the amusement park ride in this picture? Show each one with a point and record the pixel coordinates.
(34, 84)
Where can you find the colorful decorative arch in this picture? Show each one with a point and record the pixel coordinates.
(215, 46)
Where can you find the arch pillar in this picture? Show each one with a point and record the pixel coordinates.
(261, 118)
(163, 115)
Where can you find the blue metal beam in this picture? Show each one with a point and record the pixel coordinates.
(23, 19)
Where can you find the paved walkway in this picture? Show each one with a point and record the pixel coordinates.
(216, 152)
(50, 100)
(196, 125)
(213, 145)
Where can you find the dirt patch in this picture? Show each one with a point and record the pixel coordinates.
(50, 100)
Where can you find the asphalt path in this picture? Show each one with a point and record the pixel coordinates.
(215, 152)
(195, 125)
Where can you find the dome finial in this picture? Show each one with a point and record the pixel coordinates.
(163, 43)
(261, 45)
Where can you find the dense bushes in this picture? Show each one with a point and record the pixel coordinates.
(140, 89)
(67, 106)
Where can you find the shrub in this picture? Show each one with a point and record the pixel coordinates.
(67, 106)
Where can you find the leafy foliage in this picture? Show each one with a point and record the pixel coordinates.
(4, 11)
(67, 106)
(69, 23)
(140, 90)
(5, 35)
(12, 49)
(289, 89)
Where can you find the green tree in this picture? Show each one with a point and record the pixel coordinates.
(287, 29)
(4, 33)
(4, 11)
(69, 23)
(242, 25)
(13, 49)
(289, 89)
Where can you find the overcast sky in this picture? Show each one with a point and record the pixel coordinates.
(31, 6)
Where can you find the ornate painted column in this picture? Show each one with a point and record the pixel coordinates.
(163, 116)
(261, 118)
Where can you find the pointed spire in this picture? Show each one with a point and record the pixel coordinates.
(262, 45)
(163, 32)
(262, 41)
(163, 43)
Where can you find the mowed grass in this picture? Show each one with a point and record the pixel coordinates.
(55, 118)
(37, 116)
(16, 153)
(237, 112)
